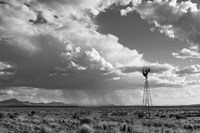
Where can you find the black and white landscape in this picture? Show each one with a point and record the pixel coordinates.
(99, 66)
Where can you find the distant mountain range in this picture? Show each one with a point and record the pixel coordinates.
(17, 103)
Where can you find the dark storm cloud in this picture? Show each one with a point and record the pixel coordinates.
(36, 69)
(39, 46)
(2, 2)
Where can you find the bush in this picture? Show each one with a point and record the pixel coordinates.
(190, 127)
(105, 127)
(86, 129)
(33, 112)
(1, 115)
(116, 130)
(141, 115)
(11, 116)
(42, 130)
(123, 128)
(75, 116)
(168, 131)
(88, 121)
(162, 116)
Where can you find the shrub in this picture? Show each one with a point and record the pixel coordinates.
(168, 131)
(33, 112)
(188, 126)
(75, 116)
(162, 116)
(86, 129)
(130, 129)
(116, 130)
(141, 115)
(1, 115)
(88, 121)
(11, 116)
(16, 113)
(42, 130)
(105, 127)
(123, 128)
(180, 117)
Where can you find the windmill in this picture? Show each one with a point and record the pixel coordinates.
(147, 102)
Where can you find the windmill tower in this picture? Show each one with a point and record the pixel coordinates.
(147, 102)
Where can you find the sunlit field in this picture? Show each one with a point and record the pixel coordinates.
(99, 120)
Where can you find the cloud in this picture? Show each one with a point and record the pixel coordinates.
(176, 20)
(6, 73)
(154, 68)
(8, 92)
(4, 66)
(52, 48)
(116, 78)
(193, 69)
(88, 59)
(186, 53)
(107, 45)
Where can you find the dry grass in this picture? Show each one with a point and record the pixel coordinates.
(99, 120)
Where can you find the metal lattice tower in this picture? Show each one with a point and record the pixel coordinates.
(147, 102)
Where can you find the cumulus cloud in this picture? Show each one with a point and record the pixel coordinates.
(4, 66)
(186, 53)
(88, 59)
(176, 20)
(193, 69)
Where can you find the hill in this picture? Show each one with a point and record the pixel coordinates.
(17, 103)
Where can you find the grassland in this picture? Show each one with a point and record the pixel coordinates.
(99, 120)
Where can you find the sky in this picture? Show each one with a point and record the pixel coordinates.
(92, 52)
